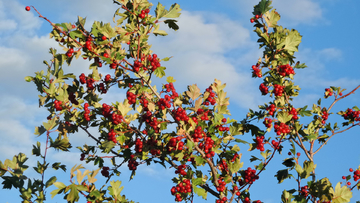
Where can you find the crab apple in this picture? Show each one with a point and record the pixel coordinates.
(27, 8)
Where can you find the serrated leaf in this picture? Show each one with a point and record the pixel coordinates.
(272, 18)
(193, 92)
(200, 192)
(341, 194)
(170, 79)
(172, 24)
(174, 11)
(160, 72)
(291, 42)
(284, 116)
(281, 175)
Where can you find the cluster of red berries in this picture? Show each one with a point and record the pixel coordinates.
(131, 97)
(132, 163)
(180, 170)
(144, 102)
(256, 71)
(252, 20)
(106, 110)
(285, 70)
(324, 117)
(209, 143)
(72, 98)
(114, 65)
(58, 105)
(267, 122)
(151, 142)
(222, 128)
(87, 112)
(170, 88)
(236, 190)
(70, 52)
(88, 80)
(184, 187)
(204, 114)
(151, 121)
(264, 89)
(88, 43)
(222, 200)
(154, 62)
(304, 191)
(278, 90)
(329, 92)
(250, 175)
(137, 66)
(275, 144)
(180, 115)
(164, 103)
(105, 171)
(271, 109)
(234, 158)
(143, 13)
(294, 113)
(281, 128)
(111, 136)
(223, 165)
(260, 143)
(221, 187)
(102, 88)
(356, 175)
(138, 145)
(352, 115)
(211, 98)
(198, 133)
(116, 118)
(176, 143)
(82, 157)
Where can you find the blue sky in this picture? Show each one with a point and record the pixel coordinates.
(215, 40)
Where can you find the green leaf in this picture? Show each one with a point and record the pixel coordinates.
(36, 149)
(286, 197)
(284, 116)
(50, 182)
(160, 72)
(172, 24)
(281, 175)
(341, 194)
(170, 79)
(272, 18)
(73, 195)
(107, 146)
(115, 189)
(262, 7)
(200, 192)
(291, 42)
(160, 11)
(174, 11)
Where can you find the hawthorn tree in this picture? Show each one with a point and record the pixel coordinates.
(204, 147)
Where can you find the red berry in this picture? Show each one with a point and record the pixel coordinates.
(103, 38)
(298, 154)
(340, 94)
(257, 16)
(351, 170)
(106, 55)
(27, 8)
(289, 153)
(343, 177)
(252, 20)
(348, 183)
